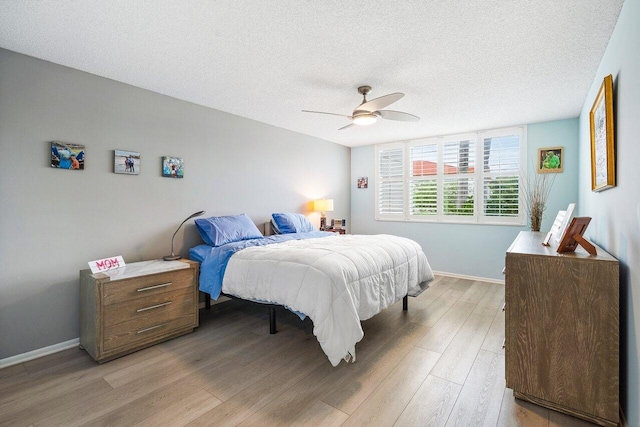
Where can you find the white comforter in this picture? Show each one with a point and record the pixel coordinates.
(337, 281)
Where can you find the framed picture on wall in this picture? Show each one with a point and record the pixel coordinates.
(67, 156)
(550, 160)
(172, 167)
(126, 162)
(363, 182)
(603, 156)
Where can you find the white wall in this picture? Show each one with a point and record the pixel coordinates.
(53, 221)
(616, 212)
(472, 250)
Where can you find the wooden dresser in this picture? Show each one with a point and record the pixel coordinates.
(144, 303)
(562, 329)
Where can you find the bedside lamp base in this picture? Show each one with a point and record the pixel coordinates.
(171, 257)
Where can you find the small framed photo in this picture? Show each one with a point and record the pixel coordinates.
(172, 167)
(67, 156)
(127, 162)
(550, 160)
(363, 182)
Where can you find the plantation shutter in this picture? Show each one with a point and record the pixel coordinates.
(459, 159)
(501, 166)
(391, 182)
(423, 180)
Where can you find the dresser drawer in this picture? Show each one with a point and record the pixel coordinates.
(126, 290)
(146, 327)
(149, 307)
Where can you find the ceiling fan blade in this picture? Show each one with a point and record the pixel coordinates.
(322, 112)
(397, 115)
(347, 126)
(378, 103)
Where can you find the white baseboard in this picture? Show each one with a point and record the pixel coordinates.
(25, 357)
(464, 276)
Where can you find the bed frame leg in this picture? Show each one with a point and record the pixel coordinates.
(272, 320)
(207, 301)
(405, 303)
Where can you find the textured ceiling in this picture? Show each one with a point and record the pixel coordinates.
(462, 65)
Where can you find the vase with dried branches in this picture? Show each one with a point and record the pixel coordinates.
(536, 192)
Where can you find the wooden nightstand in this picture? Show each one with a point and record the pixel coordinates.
(336, 230)
(145, 303)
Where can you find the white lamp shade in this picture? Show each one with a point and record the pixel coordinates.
(365, 119)
(323, 205)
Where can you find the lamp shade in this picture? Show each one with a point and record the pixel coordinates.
(323, 205)
(365, 119)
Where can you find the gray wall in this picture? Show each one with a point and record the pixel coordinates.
(467, 249)
(53, 221)
(616, 212)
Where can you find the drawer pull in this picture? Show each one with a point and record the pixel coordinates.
(153, 306)
(154, 287)
(151, 328)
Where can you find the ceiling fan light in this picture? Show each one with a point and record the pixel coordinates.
(365, 119)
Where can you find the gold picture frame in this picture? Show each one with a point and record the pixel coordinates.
(603, 161)
(550, 159)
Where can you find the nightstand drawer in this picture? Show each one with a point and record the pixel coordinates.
(149, 307)
(173, 317)
(126, 290)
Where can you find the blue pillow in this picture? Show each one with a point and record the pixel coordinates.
(219, 230)
(288, 222)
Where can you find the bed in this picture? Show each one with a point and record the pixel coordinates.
(336, 280)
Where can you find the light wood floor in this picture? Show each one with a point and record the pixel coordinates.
(440, 363)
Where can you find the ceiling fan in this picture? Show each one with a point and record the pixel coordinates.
(368, 112)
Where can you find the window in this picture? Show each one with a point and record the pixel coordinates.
(471, 178)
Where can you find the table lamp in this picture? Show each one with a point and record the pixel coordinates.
(323, 205)
(173, 256)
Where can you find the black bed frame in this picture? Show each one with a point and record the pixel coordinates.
(272, 308)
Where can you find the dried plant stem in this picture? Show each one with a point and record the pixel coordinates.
(537, 190)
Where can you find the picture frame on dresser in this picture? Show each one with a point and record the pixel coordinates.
(562, 222)
(572, 237)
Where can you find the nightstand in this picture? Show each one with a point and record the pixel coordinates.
(142, 304)
(336, 230)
